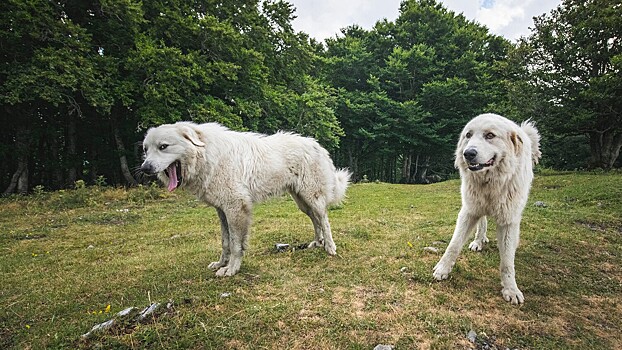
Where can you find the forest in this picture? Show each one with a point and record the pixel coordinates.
(82, 81)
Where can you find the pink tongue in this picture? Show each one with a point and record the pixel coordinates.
(172, 177)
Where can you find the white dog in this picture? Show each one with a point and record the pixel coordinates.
(495, 158)
(232, 170)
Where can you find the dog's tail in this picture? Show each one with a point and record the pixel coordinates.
(342, 180)
(529, 128)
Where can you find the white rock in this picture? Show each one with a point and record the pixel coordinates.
(431, 249)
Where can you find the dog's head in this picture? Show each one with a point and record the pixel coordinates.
(167, 150)
(487, 141)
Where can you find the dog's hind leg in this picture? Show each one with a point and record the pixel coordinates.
(480, 235)
(238, 223)
(321, 225)
(321, 216)
(465, 224)
(507, 240)
(224, 231)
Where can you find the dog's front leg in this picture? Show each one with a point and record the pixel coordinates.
(224, 231)
(507, 239)
(464, 225)
(238, 223)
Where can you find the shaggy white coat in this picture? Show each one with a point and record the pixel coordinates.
(495, 158)
(233, 170)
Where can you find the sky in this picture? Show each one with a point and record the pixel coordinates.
(323, 19)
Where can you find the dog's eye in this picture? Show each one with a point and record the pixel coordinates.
(468, 135)
(163, 147)
(489, 136)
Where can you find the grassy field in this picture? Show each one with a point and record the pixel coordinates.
(72, 259)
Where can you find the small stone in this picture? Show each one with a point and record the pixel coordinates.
(125, 311)
(472, 336)
(404, 269)
(90, 246)
(225, 295)
(431, 250)
(281, 246)
(128, 317)
(148, 311)
(98, 328)
(383, 347)
(540, 204)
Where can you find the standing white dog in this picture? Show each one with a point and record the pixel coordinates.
(495, 158)
(232, 170)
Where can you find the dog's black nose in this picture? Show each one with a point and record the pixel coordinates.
(147, 168)
(470, 154)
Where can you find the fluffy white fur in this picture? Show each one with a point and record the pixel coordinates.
(495, 158)
(232, 170)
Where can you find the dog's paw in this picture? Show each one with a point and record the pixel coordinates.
(477, 245)
(513, 295)
(216, 265)
(226, 271)
(441, 271)
(330, 248)
(231, 269)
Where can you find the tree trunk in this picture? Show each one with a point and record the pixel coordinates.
(424, 171)
(353, 164)
(72, 154)
(57, 172)
(605, 148)
(406, 166)
(414, 175)
(127, 174)
(19, 180)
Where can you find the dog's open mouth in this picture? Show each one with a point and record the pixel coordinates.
(480, 166)
(174, 175)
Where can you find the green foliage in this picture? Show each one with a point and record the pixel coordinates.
(407, 88)
(80, 82)
(80, 196)
(85, 79)
(143, 193)
(571, 72)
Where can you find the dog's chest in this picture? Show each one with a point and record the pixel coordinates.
(488, 197)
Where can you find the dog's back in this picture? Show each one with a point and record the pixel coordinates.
(269, 165)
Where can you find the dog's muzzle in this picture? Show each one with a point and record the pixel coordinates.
(470, 155)
(147, 168)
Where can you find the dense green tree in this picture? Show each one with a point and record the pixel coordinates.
(572, 64)
(407, 88)
(81, 81)
(49, 74)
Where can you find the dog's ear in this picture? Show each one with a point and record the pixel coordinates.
(192, 135)
(517, 142)
(458, 160)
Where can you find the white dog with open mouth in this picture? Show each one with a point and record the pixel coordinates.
(232, 170)
(495, 158)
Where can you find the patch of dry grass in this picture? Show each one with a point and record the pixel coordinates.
(67, 255)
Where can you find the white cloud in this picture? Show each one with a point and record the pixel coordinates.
(322, 19)
(500, 16)
(509, 18)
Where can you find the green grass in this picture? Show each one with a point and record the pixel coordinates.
(66, 255)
